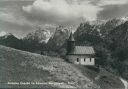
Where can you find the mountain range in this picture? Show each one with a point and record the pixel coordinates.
(109, 39)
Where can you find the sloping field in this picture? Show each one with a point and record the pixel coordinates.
(39, 71)
(36, 71)
(101, 77)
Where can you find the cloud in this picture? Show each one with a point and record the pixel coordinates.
(62, 11)
(67, 11)
(17, 0)
(111, 2)
(20, 17)
(114, 11)
(12, 18)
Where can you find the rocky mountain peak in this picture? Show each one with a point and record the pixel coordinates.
(7, 35)
(41, 35)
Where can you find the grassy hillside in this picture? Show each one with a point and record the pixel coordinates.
(101, 77)
(19, 66)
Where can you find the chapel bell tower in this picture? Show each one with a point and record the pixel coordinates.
(70, 44)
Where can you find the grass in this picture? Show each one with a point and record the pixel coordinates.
(101, 77)
(17, 66)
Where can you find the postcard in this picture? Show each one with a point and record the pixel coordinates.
(60, 44)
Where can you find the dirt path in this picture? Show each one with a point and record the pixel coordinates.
(125, 83)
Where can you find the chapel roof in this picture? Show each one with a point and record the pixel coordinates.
(83, 50)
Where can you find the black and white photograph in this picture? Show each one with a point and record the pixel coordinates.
(63, 44)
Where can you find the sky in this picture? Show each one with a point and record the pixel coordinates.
(20, 17)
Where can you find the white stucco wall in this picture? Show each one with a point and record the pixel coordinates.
(88, 61)
(73, 59)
